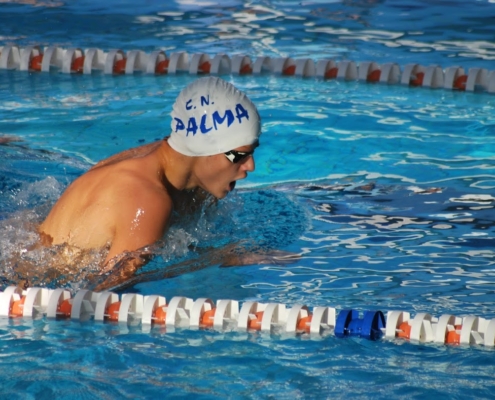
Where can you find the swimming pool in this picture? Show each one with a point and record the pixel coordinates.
(378, 187)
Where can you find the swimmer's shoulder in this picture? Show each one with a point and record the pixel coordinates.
(121, 188)
(135, 152)
(132, 179)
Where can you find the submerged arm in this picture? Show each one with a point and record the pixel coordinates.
(229, 256)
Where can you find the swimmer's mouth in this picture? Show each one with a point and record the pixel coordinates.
(232, 185)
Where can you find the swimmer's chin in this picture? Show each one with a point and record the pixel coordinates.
(225, 191)
(231, 188)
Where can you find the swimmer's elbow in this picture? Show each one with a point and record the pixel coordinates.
(120, 269)
(128, 261)
(45, 238)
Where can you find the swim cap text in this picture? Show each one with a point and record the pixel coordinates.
(217, 119)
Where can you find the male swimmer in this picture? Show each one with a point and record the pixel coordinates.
(125, 203)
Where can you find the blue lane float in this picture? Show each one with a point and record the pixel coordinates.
(370, 327)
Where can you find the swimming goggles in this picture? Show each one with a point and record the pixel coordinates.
(235, 156)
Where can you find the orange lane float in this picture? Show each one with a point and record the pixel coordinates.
(404, 331)
(417, 79)
(255, 321)
(162, 67)
(119, 66)
(453, 336)
(246, 69)
(112, 312)
(332, 73)
(304, 324)
(77, 65)
(160, 315)
(35, 63)
(208, 317)
(290, 70)
(374, 76)
(64, 309)
(17, 307)
(204, 68)
(460, 82)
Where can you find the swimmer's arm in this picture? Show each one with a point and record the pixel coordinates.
(121, 269)
(236, 255)
(123, 266)
(230, 256)
(4, 140)
(140, 222)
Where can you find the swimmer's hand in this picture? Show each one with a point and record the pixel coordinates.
(4, 140)
(244, 257)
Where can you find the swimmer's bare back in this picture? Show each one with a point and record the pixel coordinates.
(123, 202)
(140, 151)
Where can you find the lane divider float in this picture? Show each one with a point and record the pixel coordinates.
(133, 309)
(118, 62)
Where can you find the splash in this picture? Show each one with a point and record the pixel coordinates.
(24, 260)
(202, 235)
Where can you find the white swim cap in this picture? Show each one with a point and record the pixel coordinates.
(211, 116)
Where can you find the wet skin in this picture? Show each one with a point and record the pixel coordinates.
(126, 201)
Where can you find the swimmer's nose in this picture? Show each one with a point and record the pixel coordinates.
(249, 164)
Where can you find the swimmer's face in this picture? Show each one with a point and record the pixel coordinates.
(218, 174)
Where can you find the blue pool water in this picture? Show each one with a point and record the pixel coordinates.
(385, 191)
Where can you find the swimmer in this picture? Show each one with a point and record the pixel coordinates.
(125, 202)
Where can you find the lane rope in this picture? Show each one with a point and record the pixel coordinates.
(118, 62)
(133, 309)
